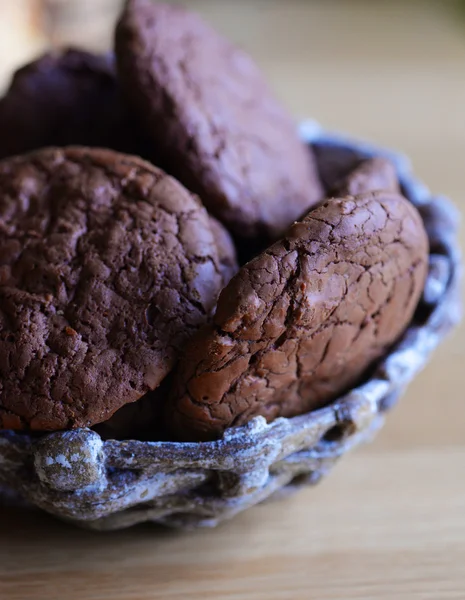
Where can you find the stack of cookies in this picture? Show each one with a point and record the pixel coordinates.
(173, 259)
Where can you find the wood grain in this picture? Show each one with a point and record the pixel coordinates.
(390, 521)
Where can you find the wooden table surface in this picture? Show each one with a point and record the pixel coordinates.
(390, 520)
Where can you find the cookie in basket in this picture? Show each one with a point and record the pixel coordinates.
(368, 176)
(303, 321)
(65, 98)
(210, 112)
(107, 267)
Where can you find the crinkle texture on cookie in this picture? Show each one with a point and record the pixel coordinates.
(107, 267)
(66, 98)
(214, 121)
(302, 322)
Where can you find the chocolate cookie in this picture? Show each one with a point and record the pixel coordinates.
(303, 321)
(334, 164)
(107, 267)
(208, 108)
(370, 175)
(70, 97)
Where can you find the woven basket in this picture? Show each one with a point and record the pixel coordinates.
(111, 484)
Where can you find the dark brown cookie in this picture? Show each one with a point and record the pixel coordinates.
(221, 131)
(303, 321)
(107, 267)
(334, 164)
(70, 97)
(374, 174)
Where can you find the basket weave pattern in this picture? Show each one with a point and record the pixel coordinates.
(112, 484)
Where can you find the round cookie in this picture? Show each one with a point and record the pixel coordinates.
(64, 98)
(302, 322)
(107, 267)
(370, 175)
(220, 130)
(334, 164)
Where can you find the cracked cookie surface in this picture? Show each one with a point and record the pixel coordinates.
(107, 266)
(210, 112)
(66, 98)
(302, 322)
